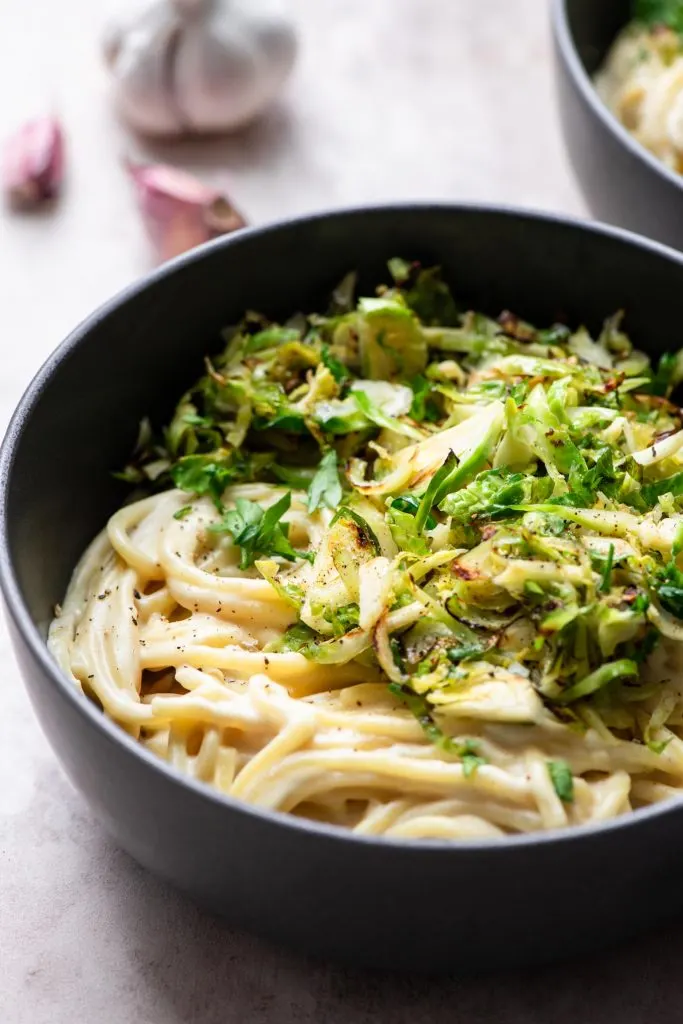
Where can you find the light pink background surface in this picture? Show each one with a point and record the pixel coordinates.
(391, 99)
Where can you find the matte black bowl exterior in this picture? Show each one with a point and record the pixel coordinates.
(408, 905)
(622, 181)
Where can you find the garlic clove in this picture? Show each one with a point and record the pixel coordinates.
(179, 211)
(33, 163)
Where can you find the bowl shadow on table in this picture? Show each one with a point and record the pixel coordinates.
(194, 965)
(259, 144)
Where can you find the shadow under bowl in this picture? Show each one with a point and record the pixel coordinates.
(399, 904)
(622, 181)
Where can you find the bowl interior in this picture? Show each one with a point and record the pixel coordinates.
(79, 418)
(593, 25)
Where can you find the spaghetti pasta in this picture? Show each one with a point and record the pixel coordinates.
(446, 609)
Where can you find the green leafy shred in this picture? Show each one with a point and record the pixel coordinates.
(410, 503)
(606, 581)
(257, 531)
(424, 407)
(339, 371)
(381, 419)
(669, 370)
(562, 780)
(466, 652)
(466, 750)
(667, 584)
(343, 619)
(325, 489)
(426, 293)
(405, 531)
(659, 12)
(493, 493)
(651, 493)
(207, 474)
(295, 639)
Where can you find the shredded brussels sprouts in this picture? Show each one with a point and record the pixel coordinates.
(502, 506)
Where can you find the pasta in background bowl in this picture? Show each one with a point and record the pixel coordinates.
(618, 85)
(641, 80)
(374, 812)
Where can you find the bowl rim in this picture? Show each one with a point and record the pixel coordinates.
(109, 731)
(570, 56)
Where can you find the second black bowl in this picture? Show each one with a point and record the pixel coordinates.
(402, 904)
(623, 182)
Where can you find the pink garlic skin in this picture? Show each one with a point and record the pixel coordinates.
(179, 211)
(33, 163)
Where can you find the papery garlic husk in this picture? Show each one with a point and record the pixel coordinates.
(179, 211)
(33, 163)
(187, 66)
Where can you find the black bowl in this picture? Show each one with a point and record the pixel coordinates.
(622, 181)
(423, 905)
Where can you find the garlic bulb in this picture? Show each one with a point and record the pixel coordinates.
(182, 66)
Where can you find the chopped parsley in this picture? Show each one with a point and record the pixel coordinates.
(338, 370)
(466, 750)
(423, 406)
(325, 489)
(257, 531)
(562, 779)
(182, 512)
(209, 474)
(668, 586)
